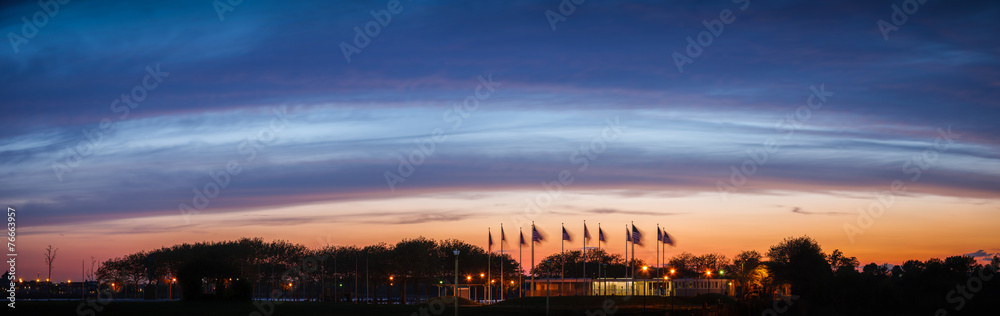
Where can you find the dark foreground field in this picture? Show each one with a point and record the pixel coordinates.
(709, 305)
(584, 305)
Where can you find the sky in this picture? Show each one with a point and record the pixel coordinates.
(867, 125)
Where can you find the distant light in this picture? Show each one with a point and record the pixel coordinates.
(722, 272)
(468, 277)
(390, 278)
(440, 282)
(342, 284)
(644, 268)
(672, 271)
(665, 277)
(481, 275)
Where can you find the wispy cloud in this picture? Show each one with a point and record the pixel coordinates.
(798, 210)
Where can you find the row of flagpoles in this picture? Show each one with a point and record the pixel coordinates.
(633, 236)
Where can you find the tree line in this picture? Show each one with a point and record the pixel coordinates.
(250, 267)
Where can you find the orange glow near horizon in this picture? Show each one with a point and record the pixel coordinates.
(913, 228)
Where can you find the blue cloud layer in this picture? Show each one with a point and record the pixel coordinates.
(607, 60)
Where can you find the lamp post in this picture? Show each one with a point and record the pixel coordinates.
(548, 285)
(174, 280)
(604, 283)
(456, 281)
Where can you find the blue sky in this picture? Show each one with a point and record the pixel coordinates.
(348, 123)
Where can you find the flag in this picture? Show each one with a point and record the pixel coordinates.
(522, 239)
(502, 236)
(600, 234)
(628, 235)
(491, 239)
(566, 235)
(636, 236)
(667, 239)
(586, 233)
(659, 235)
(535, 235)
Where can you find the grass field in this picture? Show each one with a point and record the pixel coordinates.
(579, 305)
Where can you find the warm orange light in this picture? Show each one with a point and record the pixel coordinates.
(511, 282)
(709, 272)
(665, 278)
(482, 275)
(644, 268)
(289, 283)
(493, 281)
(672, 271)
(468, 277)
(390, 278)
(69, 281)
(175, 279)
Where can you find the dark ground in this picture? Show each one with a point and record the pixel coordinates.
(575, 305)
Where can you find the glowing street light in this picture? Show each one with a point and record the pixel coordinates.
(456, 252)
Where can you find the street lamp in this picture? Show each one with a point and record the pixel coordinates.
(173, 280)
(456, 281)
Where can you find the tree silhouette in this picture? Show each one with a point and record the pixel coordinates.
(50, 257)
(800, 261)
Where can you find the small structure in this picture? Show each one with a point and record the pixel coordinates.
(625, 287)
(693, 287)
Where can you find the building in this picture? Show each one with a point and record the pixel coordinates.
(623, 287)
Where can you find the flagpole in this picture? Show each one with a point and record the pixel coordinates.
(562, 272)
(502, 237)
(489, 257)
(658, 233)
(532, 258)
(583, 255)
(628, 239)
(633, 257)
(600, 258)
(520, 263)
